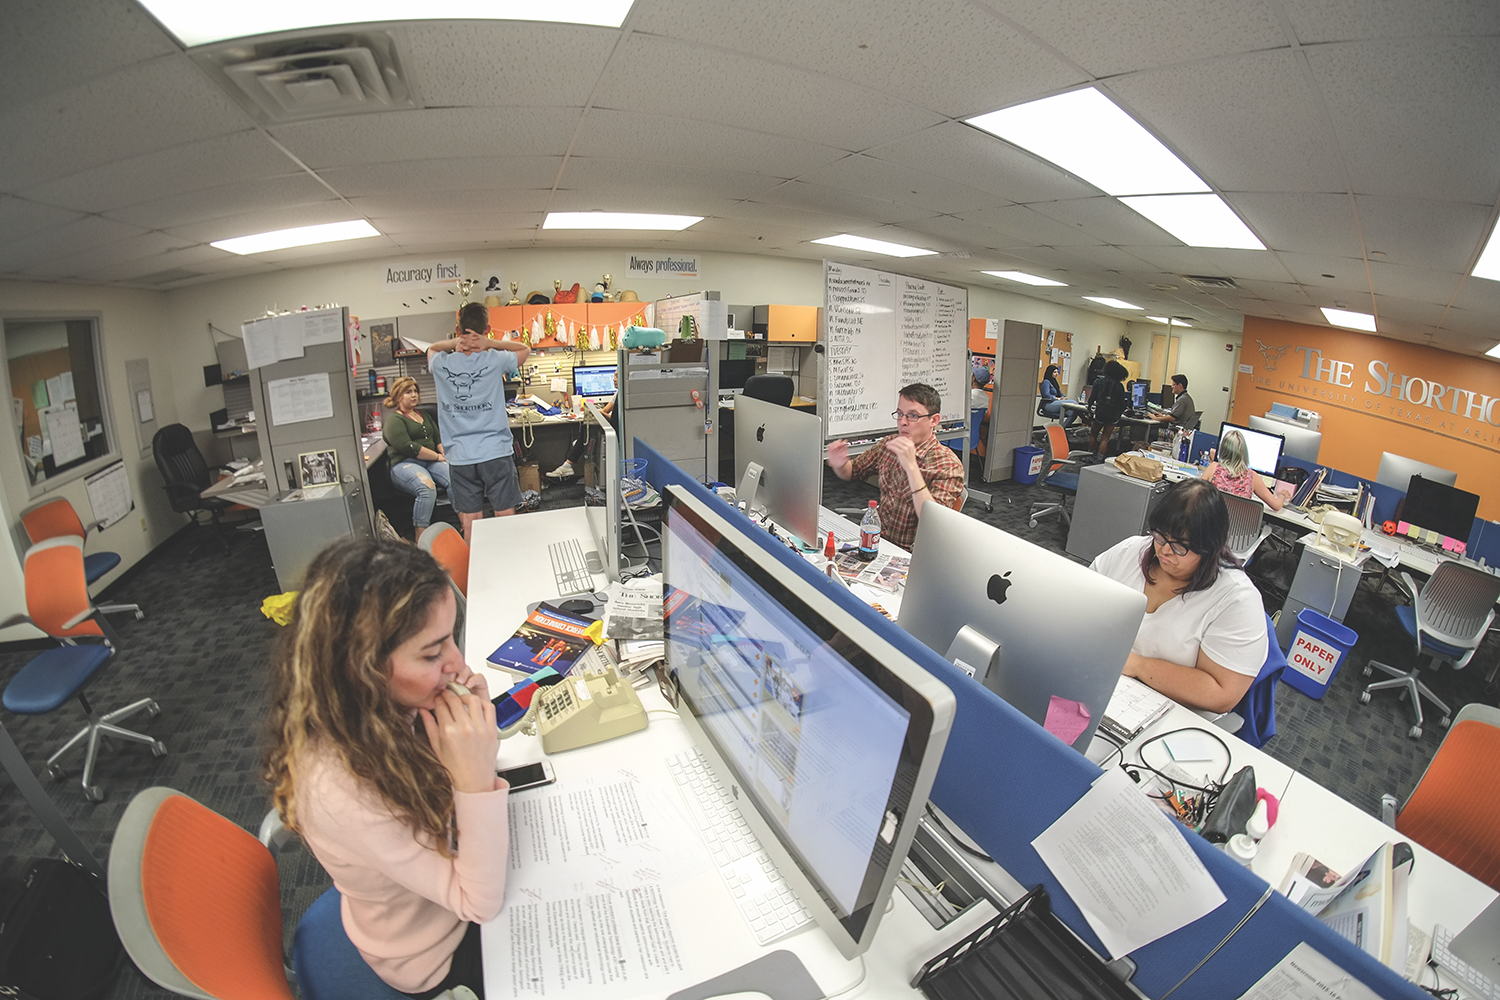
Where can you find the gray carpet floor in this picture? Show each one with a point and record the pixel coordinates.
(203, 649)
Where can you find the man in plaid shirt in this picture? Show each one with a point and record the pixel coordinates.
(914, 468)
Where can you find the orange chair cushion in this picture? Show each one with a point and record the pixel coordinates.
(452, 553)
(56, 591)
(51, 520)
(1451, 813)
(214, 903)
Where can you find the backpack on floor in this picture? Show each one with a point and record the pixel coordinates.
(57, 938)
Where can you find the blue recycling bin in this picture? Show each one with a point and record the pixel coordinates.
(1318, 648)
(1028, 463)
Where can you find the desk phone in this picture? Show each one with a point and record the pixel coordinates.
(587, 709)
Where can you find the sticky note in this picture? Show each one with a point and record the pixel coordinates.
(1066, 719)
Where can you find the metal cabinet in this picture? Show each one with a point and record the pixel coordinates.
(297, 530)
(1324, 582)
(1110, 508)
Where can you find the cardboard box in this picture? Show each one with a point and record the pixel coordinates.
(531, 476)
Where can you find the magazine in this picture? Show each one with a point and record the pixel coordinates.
(886, 571)
(634, 610)
(1366, 907)
(548, 637)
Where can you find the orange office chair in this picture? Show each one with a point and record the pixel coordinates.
(55, 518)
(57, 600)
(1059, 474)
(445, 544)
(1448, 813)
(198, 906)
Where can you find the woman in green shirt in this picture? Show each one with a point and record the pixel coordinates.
(416, 455)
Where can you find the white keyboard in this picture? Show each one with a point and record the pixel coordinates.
(844, 530)
(768, 904)
(1476, 982)
(570, 568)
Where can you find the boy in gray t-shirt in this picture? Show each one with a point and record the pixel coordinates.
(469, 372)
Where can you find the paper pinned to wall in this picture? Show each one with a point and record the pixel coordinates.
(288, 333)
(143, 406)
(781, 359)
(300, 398)
(55, 391)
(260, 343)
(109, 495)
(64, 434)
(321, 326)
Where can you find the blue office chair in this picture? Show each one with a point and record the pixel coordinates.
(976, 418)
(327, 964)
(1257, 709)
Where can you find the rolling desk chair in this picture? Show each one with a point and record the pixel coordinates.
(976, 418)
(53, 518)
(1448, 619)
(1254, 718)
(446, 544)
(772, 388)
(1246, 530)
(1443, 813)
(1055, 477)
(184, 476)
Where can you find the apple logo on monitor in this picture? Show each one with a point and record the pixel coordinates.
(997, 587)
(760, 433)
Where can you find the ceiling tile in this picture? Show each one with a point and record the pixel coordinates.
(1315, 21)
(422, 177)
(1427, 125)
(441, 133)
(624, 135)
(1113, 37)
(1308, 269)
(618, 180)
(478, 221)
(453, 203)
(227, 200)
(835, 201)
(85, 266)
(62, 241)
(265, 220)
(145, 107)
(893, 182)
(753, 93)
(1307, 223)
(948, 55)
(506, 63)
(1415, 283)
(977, 159)
(44, 48)
(1106, 220)
(1439, 235)
(21, 217)
(1246, 123)
(241, 156)
(1423, 314)
(1027, 226)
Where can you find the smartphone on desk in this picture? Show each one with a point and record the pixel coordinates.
(528, 775)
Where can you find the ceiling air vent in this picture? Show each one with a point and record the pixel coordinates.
(1209, 281)
(298, 79)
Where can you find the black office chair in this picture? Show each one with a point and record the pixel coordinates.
(772, 388)
(185, 475)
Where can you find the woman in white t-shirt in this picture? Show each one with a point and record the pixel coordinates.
(1203, 639)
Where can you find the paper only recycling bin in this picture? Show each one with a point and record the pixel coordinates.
(1318, 649)
(1028, 463)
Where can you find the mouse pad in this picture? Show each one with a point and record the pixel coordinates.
(779, 975)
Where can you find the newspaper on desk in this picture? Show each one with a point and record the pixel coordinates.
(633, 609)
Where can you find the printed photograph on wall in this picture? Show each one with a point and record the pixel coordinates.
(318, 468)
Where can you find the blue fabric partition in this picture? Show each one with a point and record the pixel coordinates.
(1004, 780)
(1484, 541)
(1387, 498)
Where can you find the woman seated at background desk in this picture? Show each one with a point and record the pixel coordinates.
(1229, 469)
(1203, 639)
(388, 775)
(416, 459)
(1052, 397)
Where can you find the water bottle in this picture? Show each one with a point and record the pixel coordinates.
(869, 533)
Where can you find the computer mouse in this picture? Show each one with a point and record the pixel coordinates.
(577, 606)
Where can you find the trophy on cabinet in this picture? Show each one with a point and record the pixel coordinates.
(515, 296)
(606, 282)
(465, 286)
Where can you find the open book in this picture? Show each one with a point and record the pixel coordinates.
(1367, 907)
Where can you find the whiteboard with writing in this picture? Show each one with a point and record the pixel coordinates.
(883, 331)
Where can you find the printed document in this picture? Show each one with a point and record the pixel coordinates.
(1126, 865)
(585, 911)
(1307, 975)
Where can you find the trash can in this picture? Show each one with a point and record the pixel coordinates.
(1318, 649)
(1028, 463)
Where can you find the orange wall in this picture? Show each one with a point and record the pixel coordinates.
(1379, 395)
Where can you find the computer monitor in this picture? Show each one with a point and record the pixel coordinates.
(828, 736)
(787, 444)
(1264, 448)
(1138, 392)
(1448, 511)
(735, 372)
(619, 547)
(1301, 443)
(591, 381)
(983, 598)
(1396, 471)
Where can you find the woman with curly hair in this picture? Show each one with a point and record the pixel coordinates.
(385, 771)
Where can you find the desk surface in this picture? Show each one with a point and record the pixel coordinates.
(712, 936)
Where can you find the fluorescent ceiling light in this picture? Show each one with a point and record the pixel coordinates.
(1164, 321)
(1087, 134)
(196, 22)
(849, 242)
(618, 220)
(1352, 320)
(301, 236)
(1489, 261)
(1112, 303)
(1493, 352)
(1026, 279)
(1199, 220)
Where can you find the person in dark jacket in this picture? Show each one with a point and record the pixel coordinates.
(1106, 405)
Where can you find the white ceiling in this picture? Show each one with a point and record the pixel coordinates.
(1360, 139)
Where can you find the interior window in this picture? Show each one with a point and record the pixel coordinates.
(56, 403)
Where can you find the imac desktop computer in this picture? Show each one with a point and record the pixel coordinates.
(1396, 471)
(1263, 448)
(1440, 507)
(983, 597)
(1301, 444)
(619, 548)
(594, 381)
(787, 445)
(827, 736)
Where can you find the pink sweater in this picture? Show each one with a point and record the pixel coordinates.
(405, 907)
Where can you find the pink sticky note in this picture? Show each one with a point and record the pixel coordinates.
(1066, 719)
